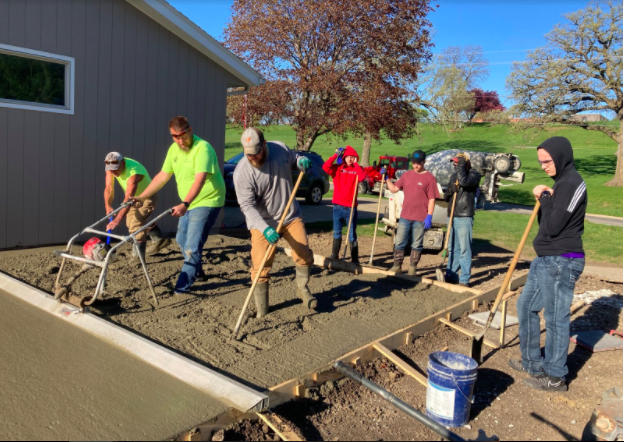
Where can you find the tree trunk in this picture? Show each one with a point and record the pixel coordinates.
(366, 150)
(617, 179)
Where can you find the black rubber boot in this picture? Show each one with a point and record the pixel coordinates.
(355, 253)
(262, 299)
(399, 256)
(142, 248)
(336, 249)
(303, 278)
(414, 260)
(159, 241)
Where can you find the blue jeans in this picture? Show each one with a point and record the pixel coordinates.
(549, 287)
(460, 250)
(193, 230)
(342, 215)
(406, 228)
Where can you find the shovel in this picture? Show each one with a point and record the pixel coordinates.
(269, 252)
(477, 340)
(440, 271)
(383, 182)
(355, 193)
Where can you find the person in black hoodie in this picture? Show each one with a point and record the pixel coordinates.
(464, 182)
(553, 275)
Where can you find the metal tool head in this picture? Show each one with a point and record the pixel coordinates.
(476, 349)
(440, 275)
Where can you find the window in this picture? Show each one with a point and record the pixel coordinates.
(35, 80)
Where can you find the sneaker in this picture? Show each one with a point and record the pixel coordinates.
(516, 364)
(546, 383)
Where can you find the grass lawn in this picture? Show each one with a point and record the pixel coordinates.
(505, 230)
(594, 153)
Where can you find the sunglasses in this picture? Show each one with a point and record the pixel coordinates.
(181, 134)
(111, 162)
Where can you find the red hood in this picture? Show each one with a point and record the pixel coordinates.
(351, 152)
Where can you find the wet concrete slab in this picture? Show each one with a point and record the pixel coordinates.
(58, 382)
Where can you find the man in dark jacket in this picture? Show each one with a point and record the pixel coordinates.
(465, 183)
(553, 275)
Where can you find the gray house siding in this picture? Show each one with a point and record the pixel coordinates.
(132, 77)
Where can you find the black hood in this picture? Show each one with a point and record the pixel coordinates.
(560, 150)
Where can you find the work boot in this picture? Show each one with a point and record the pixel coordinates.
(135, 258)
(159, 241)
(303, 278)
(414, 260)
(355, 253)
(262, 299)
(336, 249)
(399, 256)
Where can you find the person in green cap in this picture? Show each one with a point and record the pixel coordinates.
(201, 189)
(133, 179)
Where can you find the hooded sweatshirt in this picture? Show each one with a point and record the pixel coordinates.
(562, 215)
(345, 177)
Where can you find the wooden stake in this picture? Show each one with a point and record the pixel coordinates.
(409, 338)
(503, 324)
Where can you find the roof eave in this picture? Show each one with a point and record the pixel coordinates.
(174, 21)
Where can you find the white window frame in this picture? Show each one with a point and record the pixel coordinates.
(70, 80)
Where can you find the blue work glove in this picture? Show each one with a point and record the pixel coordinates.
(340, 153)
(383, 171)
(271, 235)
(428, 222)
(304, 164)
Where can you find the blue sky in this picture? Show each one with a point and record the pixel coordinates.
(504, 29)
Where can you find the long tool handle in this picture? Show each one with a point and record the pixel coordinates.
(268, 253)
(355, 193)
(512, 267)
(448, 231)
(108, 238)
(383, 182)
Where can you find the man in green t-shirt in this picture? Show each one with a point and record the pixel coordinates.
(201, 189)
(133, 179)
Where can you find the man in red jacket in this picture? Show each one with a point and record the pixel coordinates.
(345, 173)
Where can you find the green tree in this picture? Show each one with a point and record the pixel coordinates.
(579, 70)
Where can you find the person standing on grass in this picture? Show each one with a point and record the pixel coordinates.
(553, 275)
(201, 188)
(133, 178)
(345, 174)
(264, 185)
(465, 183)
(421, 190)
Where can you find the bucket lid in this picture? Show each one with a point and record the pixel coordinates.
(460, 364)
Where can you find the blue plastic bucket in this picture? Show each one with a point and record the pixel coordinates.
(452, 378)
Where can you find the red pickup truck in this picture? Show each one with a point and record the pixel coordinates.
(372, 183)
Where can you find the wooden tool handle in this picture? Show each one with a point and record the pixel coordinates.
(355, 193)
(450, 226)
(383, 182)
(268, 253)
(505, 287)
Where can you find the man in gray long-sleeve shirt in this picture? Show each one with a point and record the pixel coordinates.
(263, 182)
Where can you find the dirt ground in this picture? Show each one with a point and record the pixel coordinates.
(344, 410)
(289, 342)
(503, 405)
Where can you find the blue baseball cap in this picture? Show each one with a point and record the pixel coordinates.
(418, 157)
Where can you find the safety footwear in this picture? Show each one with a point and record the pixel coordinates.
(303, 278)
(399, 256)
(135, 258)
(355, 253)
(336, 249)
(546, 383)
(414, 260)
(262, 299)
(516, 364)
(159, 242)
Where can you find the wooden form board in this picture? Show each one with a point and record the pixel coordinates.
(344, 266)
(291, 389)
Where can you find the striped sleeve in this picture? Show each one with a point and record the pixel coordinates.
(578, 195)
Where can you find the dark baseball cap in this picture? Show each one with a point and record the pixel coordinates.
(418, 157)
